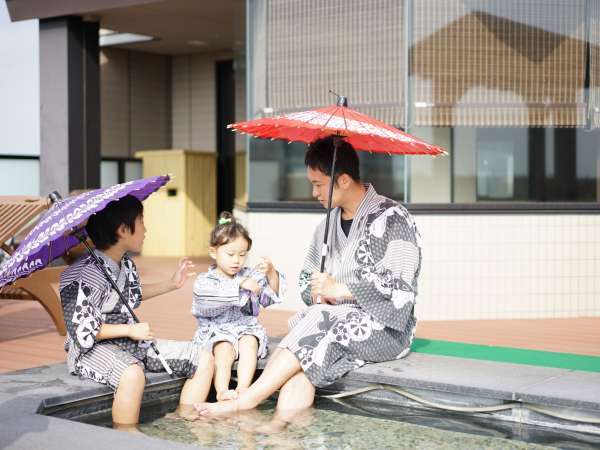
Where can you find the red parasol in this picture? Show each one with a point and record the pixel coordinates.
(361, 131)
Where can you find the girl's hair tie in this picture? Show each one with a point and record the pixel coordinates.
(224, 221)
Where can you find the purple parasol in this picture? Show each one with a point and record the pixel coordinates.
(52, 236)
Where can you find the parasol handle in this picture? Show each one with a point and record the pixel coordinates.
(112, 282)
(336, 143)
(331, 181)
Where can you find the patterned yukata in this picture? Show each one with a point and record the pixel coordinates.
(379, 262)
(88, 300)
(226, 312)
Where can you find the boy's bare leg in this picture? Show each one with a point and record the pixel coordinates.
(248, 349)
(196, 389)
(128, 399)
(282, 367)
(224, 357)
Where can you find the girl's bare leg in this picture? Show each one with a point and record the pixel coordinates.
(224, 357)
(280, 369)
(248, 349)
(196, 388)
(128, 399)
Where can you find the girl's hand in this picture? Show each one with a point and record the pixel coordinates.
(140, 332)
(182, 273)
(266, 266)
(250, 285)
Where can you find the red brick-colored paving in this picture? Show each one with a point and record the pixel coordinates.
(28, 337)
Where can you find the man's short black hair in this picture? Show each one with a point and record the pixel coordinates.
(320, 155)
(102, 227)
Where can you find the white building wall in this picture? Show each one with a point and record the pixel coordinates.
(19, 105)
(19, 86)
(474, 266)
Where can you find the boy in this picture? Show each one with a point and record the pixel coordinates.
(103, 342)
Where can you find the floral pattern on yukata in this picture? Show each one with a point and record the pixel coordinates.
(379, 261)
(88, 301)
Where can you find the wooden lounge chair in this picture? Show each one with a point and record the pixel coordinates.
(16, 213)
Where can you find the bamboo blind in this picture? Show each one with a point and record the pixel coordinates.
(353, 47)
(499, 63)
(594, 55)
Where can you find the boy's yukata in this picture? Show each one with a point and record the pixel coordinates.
(88, 301)
(379, 261)
(226, 312)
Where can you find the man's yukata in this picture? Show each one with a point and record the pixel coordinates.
(379, 262)
(88, 301)
(226, 312)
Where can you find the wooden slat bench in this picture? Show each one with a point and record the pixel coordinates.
(16, 214)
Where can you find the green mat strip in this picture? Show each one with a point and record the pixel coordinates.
(508, 355)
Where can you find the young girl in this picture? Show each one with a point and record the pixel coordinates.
(227, 300)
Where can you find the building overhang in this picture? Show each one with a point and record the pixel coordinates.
(173, 27)
(43, 9)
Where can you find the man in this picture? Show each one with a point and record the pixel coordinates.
(368, 289)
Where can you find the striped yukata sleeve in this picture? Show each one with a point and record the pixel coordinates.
(311, 264)
(268, 296)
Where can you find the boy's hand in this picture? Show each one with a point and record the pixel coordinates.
(250, 285)
(140, 332)
(182, 273)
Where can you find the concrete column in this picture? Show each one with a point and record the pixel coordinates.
(70, 105)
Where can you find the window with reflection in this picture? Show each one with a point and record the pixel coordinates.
(511, 89)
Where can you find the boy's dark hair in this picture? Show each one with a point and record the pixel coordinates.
(102, 227)
(227, 230)
(320, 155)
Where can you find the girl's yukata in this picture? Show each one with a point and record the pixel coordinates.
(379, 262)
(226, 312)
(88, 301)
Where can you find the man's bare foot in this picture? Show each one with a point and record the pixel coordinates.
(249, 420)
(241, 389)
(129, 427)
(186, 412)
(300, 417)
(229, 394)
(218, 408)
(273, 426)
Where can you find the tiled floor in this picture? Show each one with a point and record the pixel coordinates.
(28, 337)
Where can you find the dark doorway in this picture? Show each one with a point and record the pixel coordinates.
(225, 138)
